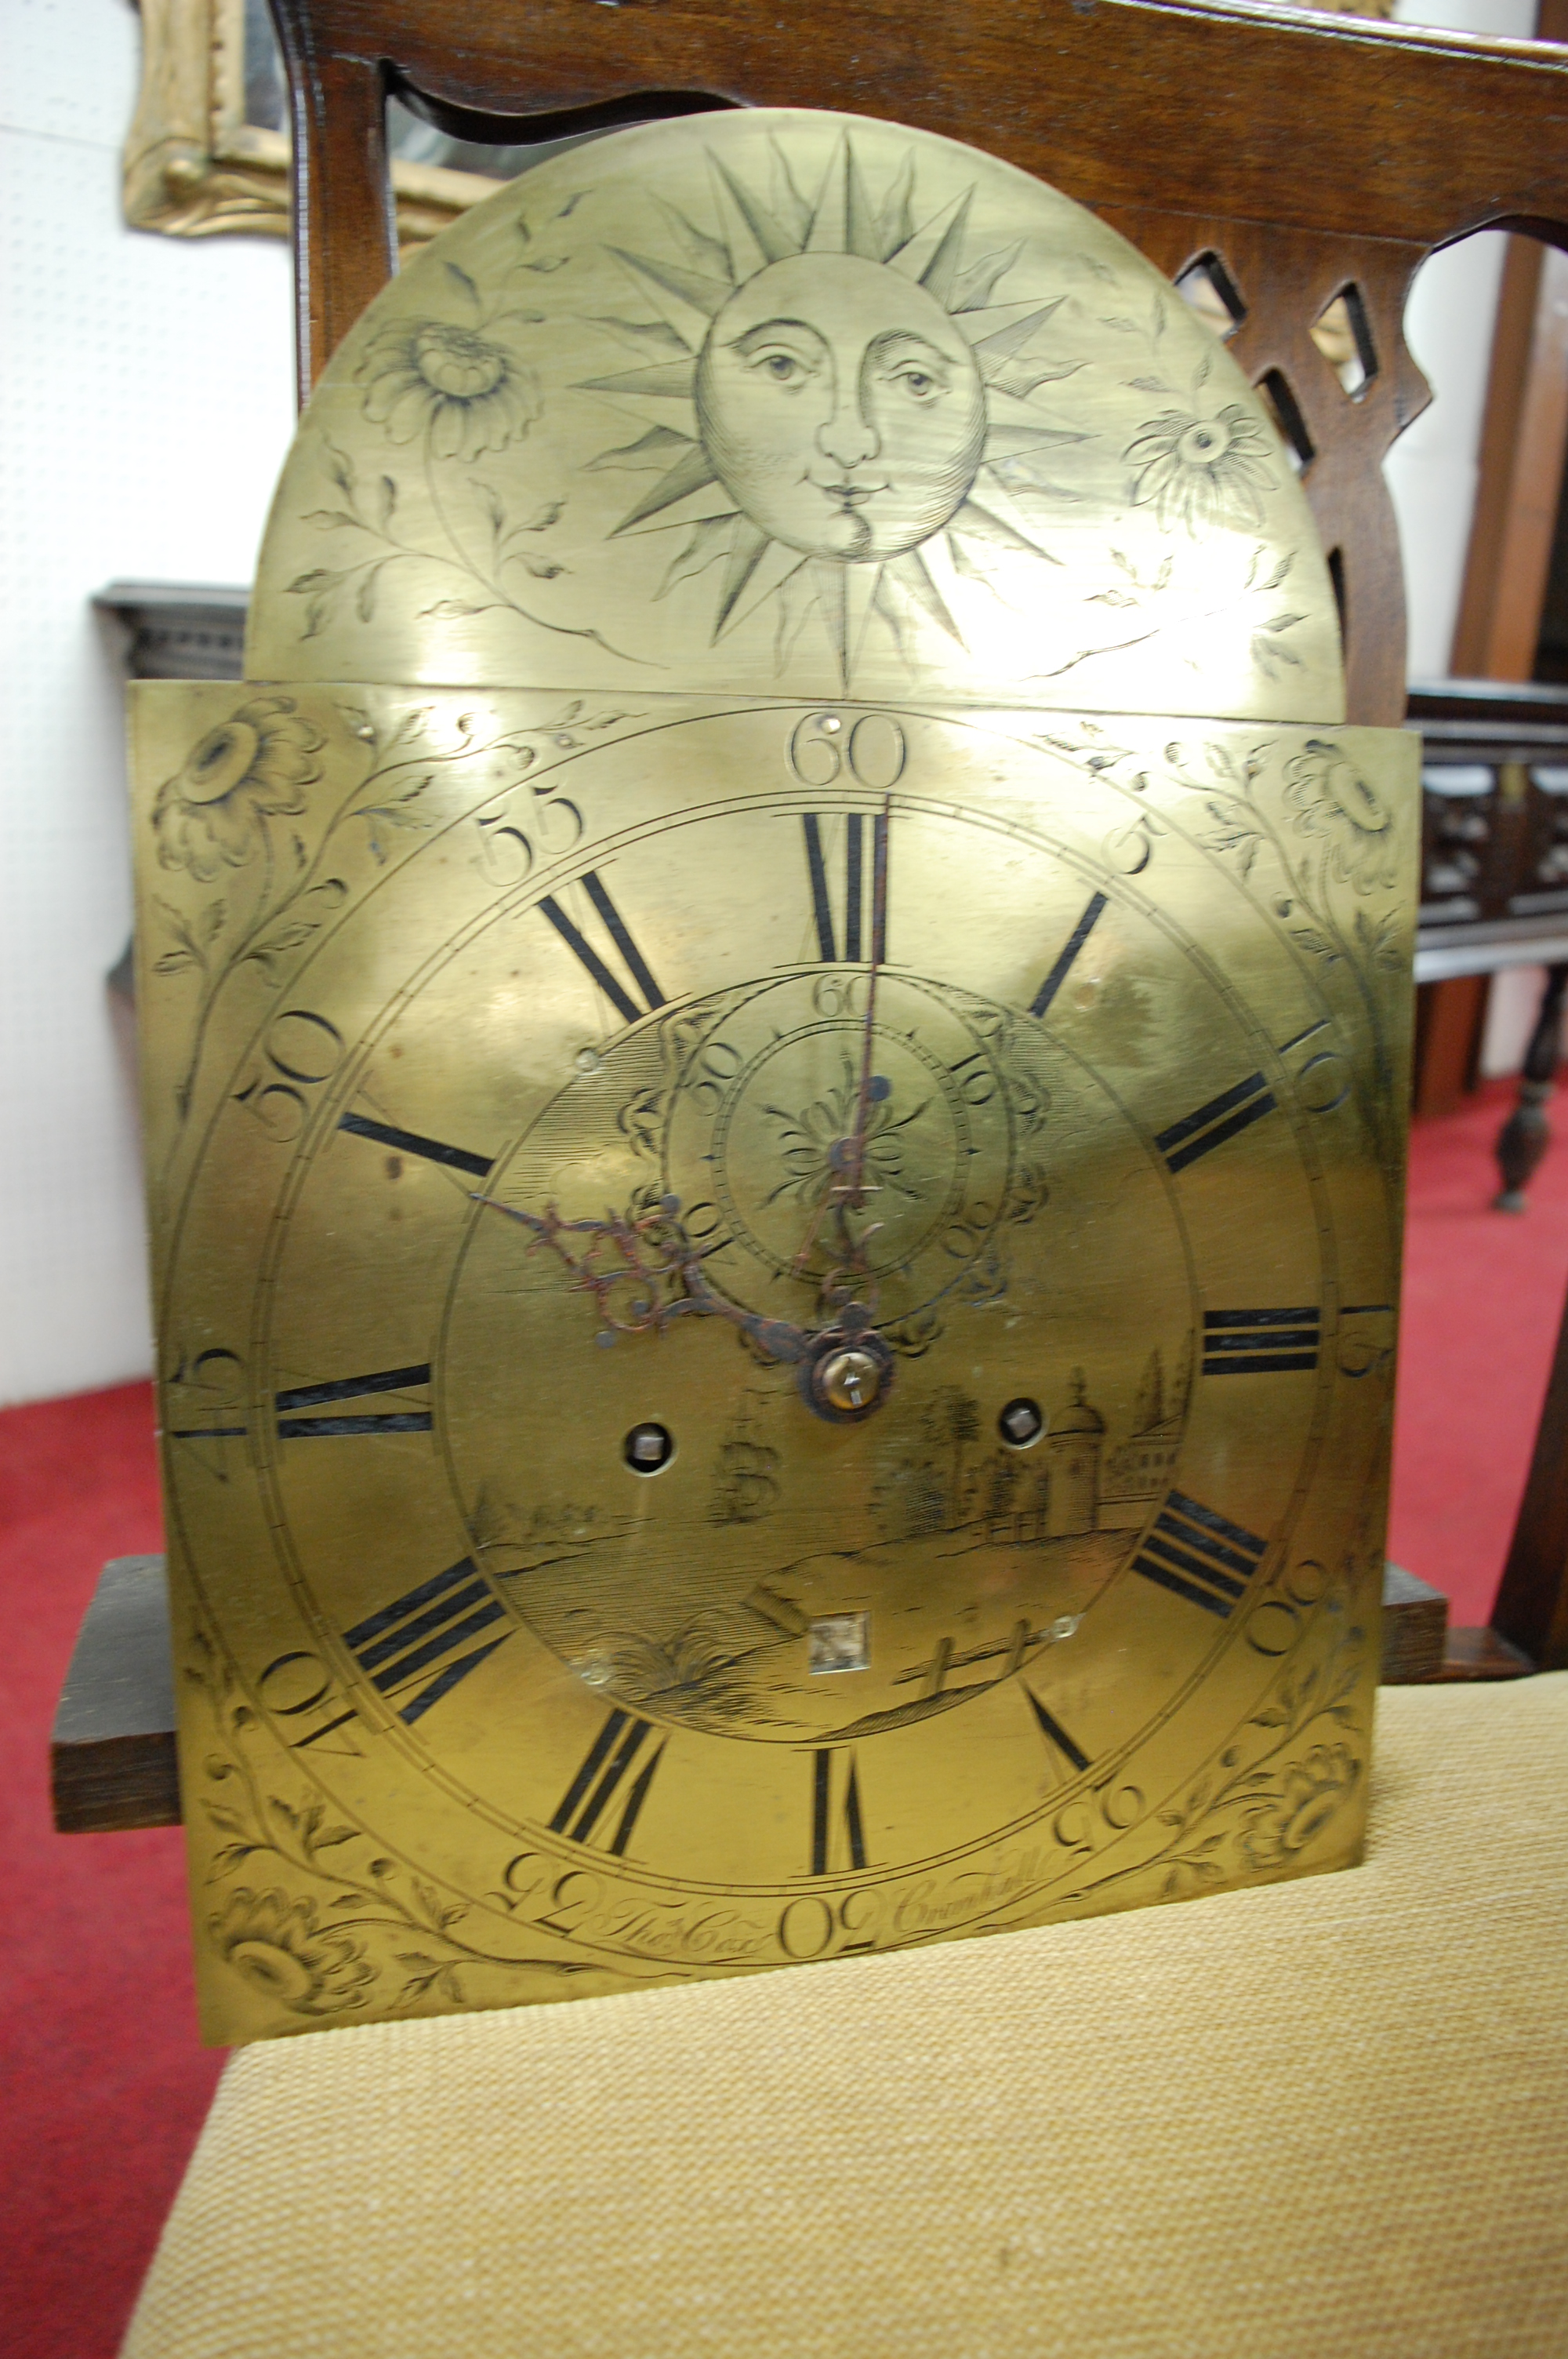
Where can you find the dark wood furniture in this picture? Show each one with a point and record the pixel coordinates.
(1301, 160)
(1494, 891)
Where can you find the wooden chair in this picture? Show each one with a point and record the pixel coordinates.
(1297, 160)
(612, 2177)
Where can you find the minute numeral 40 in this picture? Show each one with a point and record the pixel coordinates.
(1199, 1554)
(856, 925)
(597, 968)
(428, 1629)
(612, 1754)
(1260, 1343)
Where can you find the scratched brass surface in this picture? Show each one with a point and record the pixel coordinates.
(778, 402)
(474, 1713)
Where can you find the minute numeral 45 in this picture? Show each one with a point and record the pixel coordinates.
(1199, 1554)
(859, 925)
(428, 1629)
(613, 1753)
(583, 951)
(1232, 1111)
(1260, 1343)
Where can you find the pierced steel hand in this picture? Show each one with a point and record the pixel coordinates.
(846, 1190)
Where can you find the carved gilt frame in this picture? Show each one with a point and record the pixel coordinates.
(195, 168)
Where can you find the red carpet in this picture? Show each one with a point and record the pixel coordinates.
(104, 2084)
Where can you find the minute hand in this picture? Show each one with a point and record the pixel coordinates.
(855, 1160)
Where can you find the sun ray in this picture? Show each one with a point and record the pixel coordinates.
(688, 301)
(668, 379)
(993, 352)
(909, 573)
(654, 449)
(711, 539)
(747, 548)
(691, 473)
(754, 236)
(972, 291)
(1007, 437)
(895, 222)
(789, 206)
(986, 524)
(832, 593)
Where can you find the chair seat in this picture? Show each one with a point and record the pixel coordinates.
(1325, 2116)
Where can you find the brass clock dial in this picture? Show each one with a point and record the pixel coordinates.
(777, 1323)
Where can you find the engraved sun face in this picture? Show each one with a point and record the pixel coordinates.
(854, 396)
(840, 407)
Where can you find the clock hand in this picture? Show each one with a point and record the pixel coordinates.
(844, 1367)
(847, 1191)
(863, 1099)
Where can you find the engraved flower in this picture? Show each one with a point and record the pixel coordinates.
(251, 765)
(1332, 799)
(1201, 471)
(281, 1949)
(812, 1142)
(1279, 1826)
(470, 393)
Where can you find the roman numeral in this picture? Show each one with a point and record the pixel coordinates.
(827, 1853)
(583, 951)
(1258, 1343)
(855, 882)
(428, 1626)
(591, 1791)
(1052, 1730)
(1199, 1554)
(293, 1427)
(1233, 1111)
(409, 1142)
(1068, 952)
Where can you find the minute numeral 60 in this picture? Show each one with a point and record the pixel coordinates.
(872, 750)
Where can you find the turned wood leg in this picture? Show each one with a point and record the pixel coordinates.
(1524, 1137)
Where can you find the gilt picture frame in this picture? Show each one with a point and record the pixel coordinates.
(197, 165)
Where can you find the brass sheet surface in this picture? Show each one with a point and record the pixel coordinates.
(474, 1713)
(781, 402)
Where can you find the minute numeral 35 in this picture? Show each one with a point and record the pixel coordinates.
(1197, 1553)
(428, 1629)
(583, 951)
(857, 925)
(612, 1753)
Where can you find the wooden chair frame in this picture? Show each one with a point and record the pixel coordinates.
(1308, 157)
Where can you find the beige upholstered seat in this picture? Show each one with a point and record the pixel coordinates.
(1323, 2120)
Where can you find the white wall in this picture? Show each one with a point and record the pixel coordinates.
(1448, 326)
(147, 404)
(146, 393)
